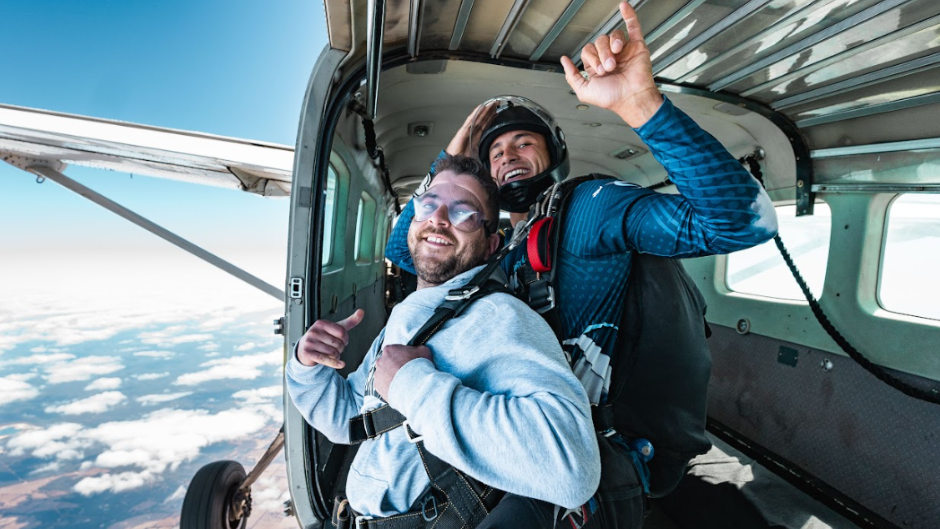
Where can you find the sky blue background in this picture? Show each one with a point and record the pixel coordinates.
(234, 68)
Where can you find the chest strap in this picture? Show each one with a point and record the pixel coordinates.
(374, 423)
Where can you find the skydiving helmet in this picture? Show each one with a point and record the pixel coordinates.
(520, 113)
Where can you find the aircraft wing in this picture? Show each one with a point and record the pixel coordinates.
(258, 167)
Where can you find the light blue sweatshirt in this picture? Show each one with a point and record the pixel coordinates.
(498, 402)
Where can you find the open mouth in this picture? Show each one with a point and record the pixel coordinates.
(437, 240)
(515, 174)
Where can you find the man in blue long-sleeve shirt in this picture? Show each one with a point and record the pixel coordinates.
(720, 209)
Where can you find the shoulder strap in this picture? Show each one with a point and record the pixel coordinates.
(376, 422)
(456, 301)
(539, 285)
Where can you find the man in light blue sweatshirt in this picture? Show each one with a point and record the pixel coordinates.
(491, 393)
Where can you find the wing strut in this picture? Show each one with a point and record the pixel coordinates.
(52, 174)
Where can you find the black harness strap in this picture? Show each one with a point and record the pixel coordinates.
(465, 494)
(538, 288)
(374, 423)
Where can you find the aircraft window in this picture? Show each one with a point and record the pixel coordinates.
(912, 257)
(365, 228)
(380, 234)
(329, 212)
(762, 271)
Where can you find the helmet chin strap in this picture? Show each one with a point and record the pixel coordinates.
(518, 196)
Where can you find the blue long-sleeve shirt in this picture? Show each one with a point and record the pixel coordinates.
(721, 208)
(498, 386)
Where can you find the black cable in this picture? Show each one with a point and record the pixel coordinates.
(754, 167)
(867, 364)
(375, 152)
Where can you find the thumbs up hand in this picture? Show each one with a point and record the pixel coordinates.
(325, 341)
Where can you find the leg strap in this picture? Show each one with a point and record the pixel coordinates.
(466, 496)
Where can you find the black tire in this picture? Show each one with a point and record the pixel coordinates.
(209, 497)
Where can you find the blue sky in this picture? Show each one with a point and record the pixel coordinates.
(103, 325)
(233, 68)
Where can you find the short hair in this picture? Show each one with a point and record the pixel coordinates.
(465, 165)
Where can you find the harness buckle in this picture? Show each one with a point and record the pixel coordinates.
(424, 509)
(362, 521)
(541, 296)
(368, 425)
(408, 431)
(459, 294)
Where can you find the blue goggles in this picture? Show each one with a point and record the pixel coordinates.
(463, 211)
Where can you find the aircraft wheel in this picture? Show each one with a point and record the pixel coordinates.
(213, 501)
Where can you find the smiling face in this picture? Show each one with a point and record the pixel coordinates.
(517, 155)
(439, 249)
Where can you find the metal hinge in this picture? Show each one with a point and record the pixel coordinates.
(279, 326)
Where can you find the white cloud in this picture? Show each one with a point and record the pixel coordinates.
(82, 368)
(113, 482)
(99, 403)
(16, 388)
(53, 467)
(245, 367)
(173, 436)
(268, 494)
(151, 376)
(103, 384)
(161, 441)
(260, 395)
(60, 441)
(160, 398)
(155, 354)
(177, 495)
(221, 320)
(172, 335)
(246, 346)
(43, 304)
(123, 458)
(134, 453)
(40, 359)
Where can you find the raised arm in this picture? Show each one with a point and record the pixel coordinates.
(721, 207)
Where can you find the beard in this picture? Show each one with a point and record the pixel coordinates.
(435, 269)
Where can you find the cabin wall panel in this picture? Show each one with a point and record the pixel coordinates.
(848, 297)
(898, 125)
(537, 20)
(582, 25)
(842, 425)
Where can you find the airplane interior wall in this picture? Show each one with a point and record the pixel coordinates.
(830, 417)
